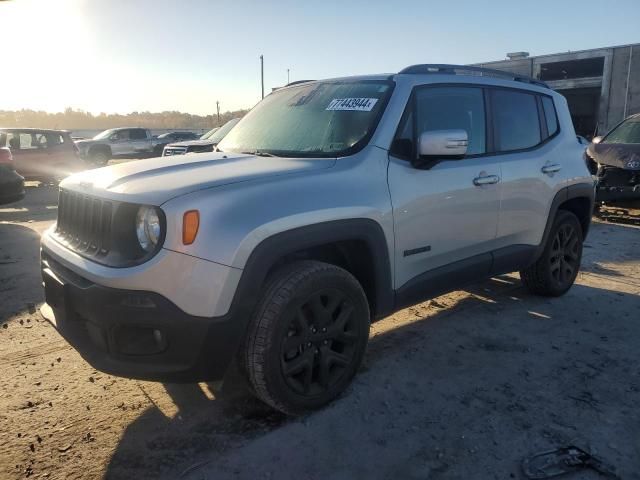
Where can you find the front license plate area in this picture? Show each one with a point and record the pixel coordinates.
(54, 290)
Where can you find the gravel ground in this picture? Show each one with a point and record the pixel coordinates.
(464, 386)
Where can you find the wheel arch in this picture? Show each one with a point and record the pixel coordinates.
(577, 199)
(100, 148)
(357, 245)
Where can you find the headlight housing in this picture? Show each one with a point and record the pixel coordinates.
(148, 227)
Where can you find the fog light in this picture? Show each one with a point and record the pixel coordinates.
(134, 340)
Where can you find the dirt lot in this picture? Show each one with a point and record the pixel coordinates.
(462, 387)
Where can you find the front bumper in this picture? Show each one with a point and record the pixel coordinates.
(136, 334)
(617, 193)
(617, 184)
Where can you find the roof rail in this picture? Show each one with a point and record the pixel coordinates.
(298, 82)
(469, 70)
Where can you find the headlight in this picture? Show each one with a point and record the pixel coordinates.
(148, 227)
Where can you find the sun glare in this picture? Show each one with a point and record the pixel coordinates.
(44, 38)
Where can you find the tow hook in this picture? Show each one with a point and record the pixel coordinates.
(554, 463)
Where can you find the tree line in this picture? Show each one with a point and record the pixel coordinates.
(72, 119)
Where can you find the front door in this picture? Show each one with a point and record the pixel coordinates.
(449, 212)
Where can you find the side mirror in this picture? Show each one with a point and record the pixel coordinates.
(597, 139)
(437, 145)
(443, 143)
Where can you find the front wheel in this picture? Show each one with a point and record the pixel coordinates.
(557, 268)
(307, 337)
(99, 159)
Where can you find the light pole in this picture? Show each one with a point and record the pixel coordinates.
(218, 110)
(288, 81)
(262, 74)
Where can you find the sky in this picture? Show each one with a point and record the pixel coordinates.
(119, 56)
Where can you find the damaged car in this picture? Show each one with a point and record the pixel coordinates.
(615, 161)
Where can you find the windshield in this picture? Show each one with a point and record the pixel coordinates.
(105, 134)
(627, 132)
(319, 119)
(209, 133)
(222, 131)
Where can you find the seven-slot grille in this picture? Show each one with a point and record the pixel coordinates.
(84, 222)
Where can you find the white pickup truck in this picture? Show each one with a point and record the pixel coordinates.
(119, 142)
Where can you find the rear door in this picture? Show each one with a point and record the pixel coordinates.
(441, 215)
(525, 126)
(139, 141)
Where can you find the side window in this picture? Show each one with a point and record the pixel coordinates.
(13, 140)
(54, 139)
(120, 135)
(28, 141)
(446, 108)
(137, 134)
(443, 108)
(550, 115)
(515, 120)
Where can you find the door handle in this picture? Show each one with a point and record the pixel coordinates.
(486, 180)
(553, 168)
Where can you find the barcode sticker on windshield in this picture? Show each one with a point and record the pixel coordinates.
(352, 104)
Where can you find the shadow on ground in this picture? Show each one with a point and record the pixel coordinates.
(203, 430)
(20, 289)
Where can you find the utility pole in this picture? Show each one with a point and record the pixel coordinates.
(262, 74)
(218, 109)
(288, 81)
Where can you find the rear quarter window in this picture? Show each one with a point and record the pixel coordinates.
(550, 115)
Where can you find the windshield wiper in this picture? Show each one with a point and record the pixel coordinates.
(258, 153)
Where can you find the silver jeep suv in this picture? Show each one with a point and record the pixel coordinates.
(330, 205)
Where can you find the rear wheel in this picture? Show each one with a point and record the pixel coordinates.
(557, 268)
(307, 337)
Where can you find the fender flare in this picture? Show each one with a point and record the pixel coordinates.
(266, 254)
(579, 190)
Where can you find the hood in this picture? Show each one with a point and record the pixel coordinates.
(154, 181)
(85, 142)
(621, 155)
(192, 143)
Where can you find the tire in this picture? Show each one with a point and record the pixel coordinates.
(99, 158)
(555, 271)
(307, 337)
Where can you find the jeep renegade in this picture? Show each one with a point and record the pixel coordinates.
(331, 204)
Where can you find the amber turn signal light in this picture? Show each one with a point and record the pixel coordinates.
(190, 224)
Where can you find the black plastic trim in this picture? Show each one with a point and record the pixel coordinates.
(125, 250)
(442, 280)
(270, 250)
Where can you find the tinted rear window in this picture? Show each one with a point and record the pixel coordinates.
(137, 134)
(516, 123)
(550, 115)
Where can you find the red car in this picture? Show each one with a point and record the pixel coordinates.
(39, 154)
